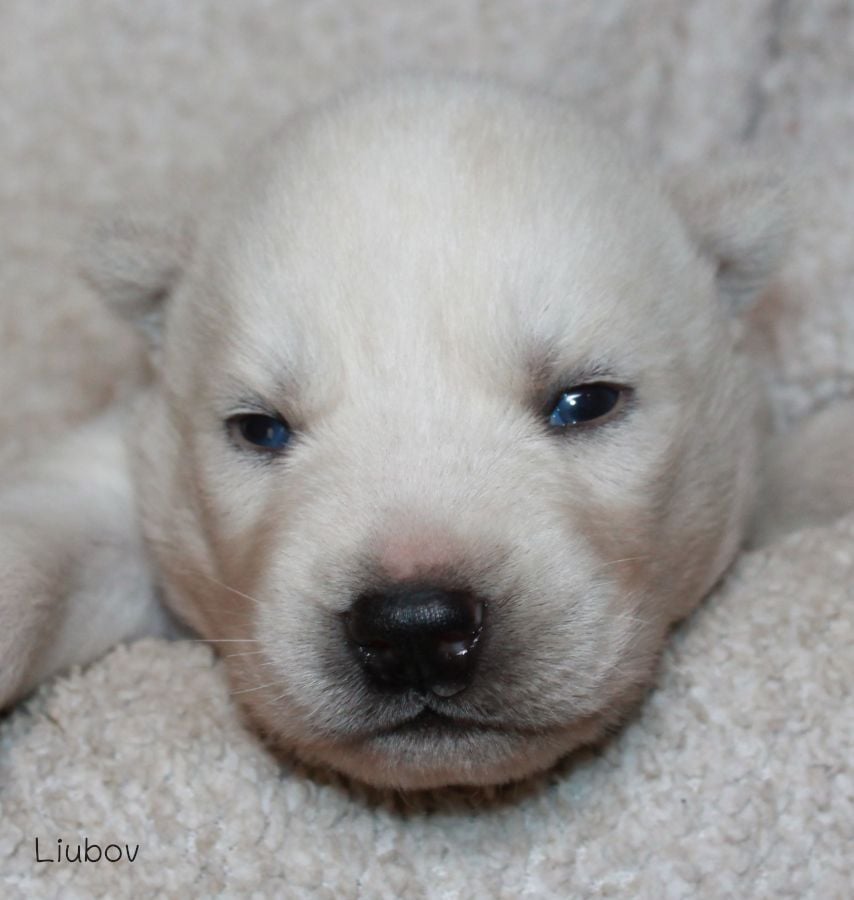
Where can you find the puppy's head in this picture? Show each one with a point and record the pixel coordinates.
(450, 426)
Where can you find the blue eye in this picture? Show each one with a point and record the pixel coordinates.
(583, 404)
(261, 432)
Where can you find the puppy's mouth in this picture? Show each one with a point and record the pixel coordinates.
(433, 749)
(435, 721)
(430, 724)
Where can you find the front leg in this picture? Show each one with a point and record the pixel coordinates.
(74, 576)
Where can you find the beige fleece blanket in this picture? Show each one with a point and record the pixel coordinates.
(735, 779)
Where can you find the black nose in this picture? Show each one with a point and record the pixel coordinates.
(418, 637)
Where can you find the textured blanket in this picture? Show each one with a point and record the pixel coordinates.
(735, 778)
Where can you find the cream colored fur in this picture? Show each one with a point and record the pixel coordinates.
(734, 780)
(70, 545)
(405, 274)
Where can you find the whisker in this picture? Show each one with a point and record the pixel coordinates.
(625, 559)
(223, 641)
(222, 584)
(227, 587)
(258, 687)
(224, 611)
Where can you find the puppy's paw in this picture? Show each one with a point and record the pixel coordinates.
(30, 588)
(74, 575)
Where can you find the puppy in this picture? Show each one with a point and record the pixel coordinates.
(449, 424)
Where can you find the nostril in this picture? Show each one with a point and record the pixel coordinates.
(376, 646)
(455, 645)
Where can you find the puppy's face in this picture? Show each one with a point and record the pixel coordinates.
(450, 429)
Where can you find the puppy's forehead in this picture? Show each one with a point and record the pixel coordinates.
(471, 223)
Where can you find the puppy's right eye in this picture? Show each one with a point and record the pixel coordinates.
(260, 432)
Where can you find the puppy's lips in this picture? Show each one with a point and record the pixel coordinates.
(430, 748)
(429, 723)
(433, 750)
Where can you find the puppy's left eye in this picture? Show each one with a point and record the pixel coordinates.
(584, 403)
(259, 431)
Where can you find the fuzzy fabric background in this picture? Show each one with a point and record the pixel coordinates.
(736, 778)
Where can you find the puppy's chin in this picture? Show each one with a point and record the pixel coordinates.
(428, 753)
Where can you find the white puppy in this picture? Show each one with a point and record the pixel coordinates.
(449, 425)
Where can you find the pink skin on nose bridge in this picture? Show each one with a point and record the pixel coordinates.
(414, 552)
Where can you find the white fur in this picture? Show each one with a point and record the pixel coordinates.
(75, 574)
(402, 274)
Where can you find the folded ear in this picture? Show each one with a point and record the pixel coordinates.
(740, 219)
(134, 263)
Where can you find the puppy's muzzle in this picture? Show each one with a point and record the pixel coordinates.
(414, 637)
